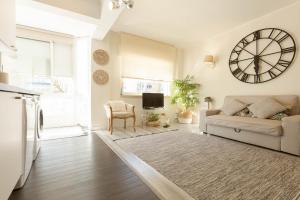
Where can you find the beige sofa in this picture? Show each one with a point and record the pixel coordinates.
(274, 134)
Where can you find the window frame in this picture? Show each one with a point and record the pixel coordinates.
(140, 94)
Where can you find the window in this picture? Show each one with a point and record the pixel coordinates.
(146, 65)
(133, 87)
(43, 66)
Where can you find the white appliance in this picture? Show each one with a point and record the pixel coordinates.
(30, 143)
(39, 127)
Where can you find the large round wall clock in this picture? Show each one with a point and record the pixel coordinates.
(262, 55)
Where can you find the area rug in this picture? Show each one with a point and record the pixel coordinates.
(121, 133)
(213, 168)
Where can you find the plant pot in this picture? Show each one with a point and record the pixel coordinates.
(185, 117)
(153, 123)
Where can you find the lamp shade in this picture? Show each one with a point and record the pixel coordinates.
(208, 59)
(207, 99)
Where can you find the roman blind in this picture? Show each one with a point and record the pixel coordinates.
(146, 59)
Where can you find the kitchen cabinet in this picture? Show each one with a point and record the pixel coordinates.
(8, 25)
(11, 123)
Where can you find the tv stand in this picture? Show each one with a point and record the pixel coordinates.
(147, 111)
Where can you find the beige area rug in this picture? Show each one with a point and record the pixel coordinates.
(121, 133)
(214, 168)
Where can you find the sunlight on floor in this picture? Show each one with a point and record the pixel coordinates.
(63, 132)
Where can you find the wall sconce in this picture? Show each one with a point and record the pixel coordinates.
(209, 60)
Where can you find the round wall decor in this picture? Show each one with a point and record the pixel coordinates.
(100, 77)
(101, 57)
(262, 55)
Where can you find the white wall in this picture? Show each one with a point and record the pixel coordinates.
(219, 82)
(111, 91)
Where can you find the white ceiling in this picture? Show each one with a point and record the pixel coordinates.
(186, 22)
(91, 8)
(68, 16)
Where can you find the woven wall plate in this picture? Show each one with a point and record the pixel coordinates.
(101, 57)
(100, 77)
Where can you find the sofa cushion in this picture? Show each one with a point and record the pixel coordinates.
(289, 101)
(264, 126)
(233, 106)
(122, 114)
(266, 108)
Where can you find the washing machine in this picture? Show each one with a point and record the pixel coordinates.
(39, 127)
(33, 126)
(28, 137)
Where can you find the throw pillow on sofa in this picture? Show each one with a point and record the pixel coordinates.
(233, 106)
(266, 108)
(279, 116)
(244, 113)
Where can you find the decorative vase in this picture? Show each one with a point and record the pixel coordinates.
(185, 117)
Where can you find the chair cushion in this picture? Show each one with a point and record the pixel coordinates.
(117, 106)
(122, 114)
(233, 106)
(264, 126)
(266, 108)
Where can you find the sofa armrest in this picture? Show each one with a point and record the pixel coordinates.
(290, 141)
(203, 115)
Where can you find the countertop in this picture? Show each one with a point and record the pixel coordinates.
(14, 89)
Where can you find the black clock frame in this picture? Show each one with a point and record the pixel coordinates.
(256, 36)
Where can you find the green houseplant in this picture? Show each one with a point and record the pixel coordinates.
(185, 93)
(153, 119)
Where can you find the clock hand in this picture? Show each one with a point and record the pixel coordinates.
(270, 54)
(248, 66)
(269, 43)
(246, 59)
(246, 50)
(256, 64)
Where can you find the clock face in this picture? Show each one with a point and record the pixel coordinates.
(262, 55)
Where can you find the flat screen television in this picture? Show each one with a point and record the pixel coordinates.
(153, 100)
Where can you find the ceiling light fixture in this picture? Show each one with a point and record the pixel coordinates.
(116, 4)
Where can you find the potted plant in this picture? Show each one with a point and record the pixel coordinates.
(185, 93)
(153, 119)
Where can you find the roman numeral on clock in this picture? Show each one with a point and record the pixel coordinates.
(245, 77)
(237, 51)
(272, 74)
(232, 62)
(237, 72)
(256, 35)
(283, 63)
(244, 42)
(257, 78)
(288, 50)
(282, 38)
(271, 33)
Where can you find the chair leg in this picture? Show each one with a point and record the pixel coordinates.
(134, 123)
(111, 125)
(124, 123)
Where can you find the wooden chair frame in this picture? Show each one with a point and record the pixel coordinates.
(111, 117)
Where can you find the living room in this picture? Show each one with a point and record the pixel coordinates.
(178, 100)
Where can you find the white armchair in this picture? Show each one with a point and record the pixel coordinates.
(119, 110)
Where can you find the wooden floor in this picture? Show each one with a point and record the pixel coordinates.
(81, 168)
